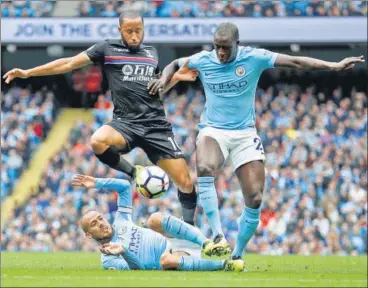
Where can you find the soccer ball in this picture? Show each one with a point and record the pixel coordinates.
(152, 182)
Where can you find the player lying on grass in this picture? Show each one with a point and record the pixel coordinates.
(126, 246)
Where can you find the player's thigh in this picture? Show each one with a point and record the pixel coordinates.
(178, 171)
(251, 176)
(162, 149)
(107, 136)
(211, 151)
(155, 222)
(172, 260)
(169, 261)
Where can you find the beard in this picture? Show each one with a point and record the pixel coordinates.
(133, 48)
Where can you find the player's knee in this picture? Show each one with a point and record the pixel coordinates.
(98, 141)
(169, 261)
(255, 198)
(206, 170)
(155, 221)
(185, 184)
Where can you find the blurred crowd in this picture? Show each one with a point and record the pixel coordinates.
(25, 120)
(216, 8)
(24, 8)
(315, 199)
(221, 8)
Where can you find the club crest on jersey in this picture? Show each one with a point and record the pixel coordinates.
(240, 71)
(149, 54)
(127, 70)
(122, 230)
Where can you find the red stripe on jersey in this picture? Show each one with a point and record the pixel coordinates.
(130, 58)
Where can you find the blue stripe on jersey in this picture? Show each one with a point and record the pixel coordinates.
(129, 62)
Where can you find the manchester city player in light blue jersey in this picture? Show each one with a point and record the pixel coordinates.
(126, 246)
(229, 75)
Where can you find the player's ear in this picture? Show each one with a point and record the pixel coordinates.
(237, 42)
(88, 235)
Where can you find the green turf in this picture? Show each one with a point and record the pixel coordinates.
(83, 269)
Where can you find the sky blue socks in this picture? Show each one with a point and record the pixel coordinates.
(248, 223)
(209, 201)
(189, 263)
(181, 230)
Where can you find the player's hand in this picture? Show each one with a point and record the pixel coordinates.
(156, 85)
(84, 181)
(348, 63)
(112, 248)
(15, 73)
(186, 74)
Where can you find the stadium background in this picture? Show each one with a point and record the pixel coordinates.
(313, 124)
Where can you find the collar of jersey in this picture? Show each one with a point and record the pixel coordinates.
(122, 43)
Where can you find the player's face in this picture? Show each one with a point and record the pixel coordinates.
(99, 228)
(132, 32)
(225, 48)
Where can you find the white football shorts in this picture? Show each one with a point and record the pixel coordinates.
(242, 146)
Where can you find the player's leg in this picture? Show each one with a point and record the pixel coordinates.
(162, 150)
(182, 261)
(248, 162)
(210, 158)
(106, 143)
(169, 225)
(178, 171)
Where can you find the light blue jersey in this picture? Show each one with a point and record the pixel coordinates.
(143, 247)
(230, 88)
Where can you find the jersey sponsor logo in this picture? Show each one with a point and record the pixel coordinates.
(226, 87)
(137, 72)
(135, 240)
(127, 70)
(240, 71)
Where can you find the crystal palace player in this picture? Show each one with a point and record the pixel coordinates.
(139, 119)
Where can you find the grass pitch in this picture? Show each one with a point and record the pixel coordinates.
(84, 270)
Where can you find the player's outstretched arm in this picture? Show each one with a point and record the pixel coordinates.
(84, 181)
(283, 60)
(98, 183)
(58, 66)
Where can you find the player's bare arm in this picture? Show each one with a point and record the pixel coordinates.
(298, 62)
(58, 66)
(171, 76)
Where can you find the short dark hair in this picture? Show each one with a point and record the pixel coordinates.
(129, 14)
(228, 29)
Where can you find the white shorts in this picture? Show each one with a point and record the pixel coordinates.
(243, 146)
(177, 245)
